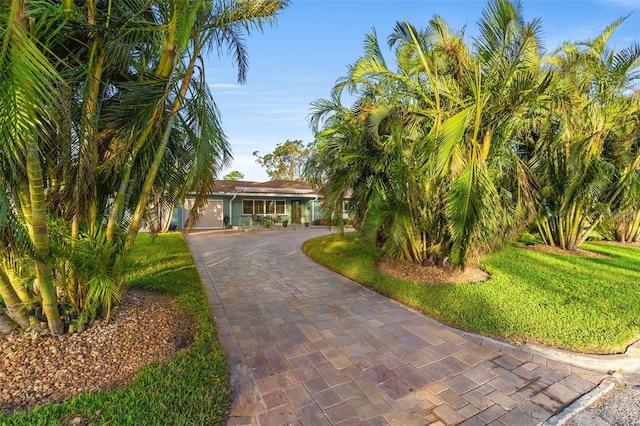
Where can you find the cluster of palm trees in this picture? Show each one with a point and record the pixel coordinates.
(106, 120)
(462, 145)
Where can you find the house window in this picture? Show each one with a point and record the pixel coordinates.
(262, 207)
(258, 206)
(271, 206)
(247, 206)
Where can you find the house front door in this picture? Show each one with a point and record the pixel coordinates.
(296, 211)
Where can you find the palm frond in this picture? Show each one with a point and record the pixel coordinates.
(452, 134)
(464, 209)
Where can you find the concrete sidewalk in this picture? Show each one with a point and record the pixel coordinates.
(307, 346)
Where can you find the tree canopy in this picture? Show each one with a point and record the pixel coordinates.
(463, 144)
(287, 160)
(105, 121)
(234, 175)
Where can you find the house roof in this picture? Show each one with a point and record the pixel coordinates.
(271, 187)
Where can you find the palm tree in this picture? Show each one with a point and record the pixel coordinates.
(28, 86)
(432, 149)
(134, 116)
(14, 241)
(585, 159)
(624, 150)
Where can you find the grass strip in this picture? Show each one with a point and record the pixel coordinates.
(584, 304)
(190, 389)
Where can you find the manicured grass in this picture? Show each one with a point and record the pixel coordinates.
(579, 303)
(191, 389)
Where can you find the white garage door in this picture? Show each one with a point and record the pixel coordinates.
(212, 217)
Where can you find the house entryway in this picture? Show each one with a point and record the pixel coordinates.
(296, 211)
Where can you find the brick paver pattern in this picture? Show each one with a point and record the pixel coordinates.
(306, 346)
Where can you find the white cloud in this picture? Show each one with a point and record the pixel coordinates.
(226, 90)
(224, 85)
(632, 4)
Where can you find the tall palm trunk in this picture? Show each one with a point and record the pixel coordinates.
(15, 308)
(633, 235)
(567, 230)
(36, 216)
(88, 146)
(160, 150)
(85, 208)
(40, 238)
(164, 71)
(629, 227)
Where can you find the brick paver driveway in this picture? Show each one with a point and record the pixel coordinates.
(307, 346)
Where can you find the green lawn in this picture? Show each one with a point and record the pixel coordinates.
(191, 389)
(579, 303)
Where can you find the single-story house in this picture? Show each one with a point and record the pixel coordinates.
(244, 203)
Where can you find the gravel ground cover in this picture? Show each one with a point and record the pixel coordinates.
(37, 369)
(620, 407)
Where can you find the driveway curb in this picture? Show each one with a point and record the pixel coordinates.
(581, 403)
(626, 362)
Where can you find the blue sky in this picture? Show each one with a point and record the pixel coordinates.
(300, 58)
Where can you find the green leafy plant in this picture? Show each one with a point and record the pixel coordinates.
(121, 147)
(194, 384)
(529, 239)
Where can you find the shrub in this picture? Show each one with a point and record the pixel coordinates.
(528, 239)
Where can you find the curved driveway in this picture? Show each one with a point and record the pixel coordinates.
(307, 346)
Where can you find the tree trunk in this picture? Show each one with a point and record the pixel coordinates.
(157, 160)
(5, 324)
(35, 215)
(25, 295)
(545, 232)
(40, 238)
(88, 155)
(164, 70)
(633, 231)
(15, 308)
(585, 234)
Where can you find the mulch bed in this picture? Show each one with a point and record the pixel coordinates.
(431, 275)
(36, 369)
